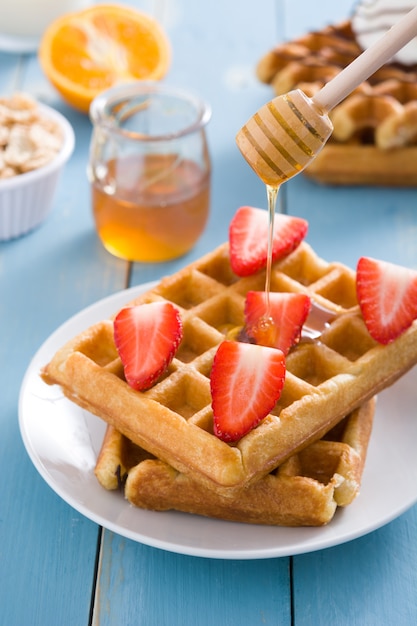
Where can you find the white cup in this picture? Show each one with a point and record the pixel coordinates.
(22, 22)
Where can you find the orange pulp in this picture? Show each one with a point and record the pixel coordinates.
(85, 52)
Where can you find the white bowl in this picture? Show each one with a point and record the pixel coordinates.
(26, 199)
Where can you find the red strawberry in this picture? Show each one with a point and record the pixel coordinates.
(387, 296)
(147, 337)
(246, 382)
(248, 238)
(280, 326)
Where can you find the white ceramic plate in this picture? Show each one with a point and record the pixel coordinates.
(63, 441)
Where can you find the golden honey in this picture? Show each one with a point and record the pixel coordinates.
(158, 210)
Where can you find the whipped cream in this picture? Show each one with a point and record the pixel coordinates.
(371, 19)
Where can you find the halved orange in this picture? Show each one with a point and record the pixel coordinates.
(86, 52)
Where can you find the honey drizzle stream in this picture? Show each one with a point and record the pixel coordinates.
(272, 195)
(319, 318)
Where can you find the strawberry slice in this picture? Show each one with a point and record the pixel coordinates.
(147, 337)
(246, 382)
(387, 295)
(248, 238)
(280, 324)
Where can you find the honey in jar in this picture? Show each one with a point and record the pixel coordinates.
(149, 171)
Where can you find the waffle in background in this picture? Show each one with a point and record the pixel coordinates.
(375, 128)
(304, 491)
(326, 378)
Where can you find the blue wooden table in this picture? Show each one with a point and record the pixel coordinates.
(57, 566)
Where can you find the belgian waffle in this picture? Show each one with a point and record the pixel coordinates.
(375, 129)
(304, 491)
(327, 377)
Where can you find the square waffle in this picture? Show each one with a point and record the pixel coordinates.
(375, 128)
(329, 374)
(304, 491)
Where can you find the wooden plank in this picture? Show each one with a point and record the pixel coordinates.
(145, 586)
(214, 54)
(48, 550)
(9, 74)
(372, 580)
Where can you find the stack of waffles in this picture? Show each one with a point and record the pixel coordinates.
(302, 461)
(375, 128)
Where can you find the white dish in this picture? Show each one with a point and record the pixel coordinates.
(27, 199)
(63, 440)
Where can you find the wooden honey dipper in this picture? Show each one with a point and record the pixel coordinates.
(285, 135)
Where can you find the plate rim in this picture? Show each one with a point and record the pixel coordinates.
(277, 551)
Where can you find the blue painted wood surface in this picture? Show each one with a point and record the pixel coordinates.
(57, 567)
